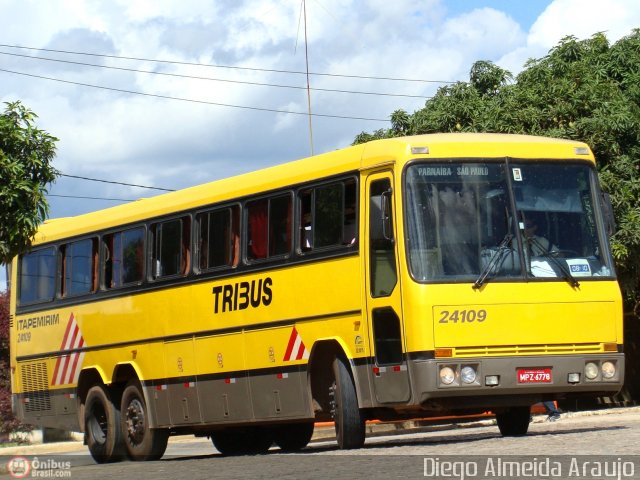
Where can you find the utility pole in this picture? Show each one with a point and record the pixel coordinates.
(306, 56)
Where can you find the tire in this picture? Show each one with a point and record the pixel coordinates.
(348, 418)
(140, 441)
(242, 441)
(293, 437)
(514, 422)
(102, 426)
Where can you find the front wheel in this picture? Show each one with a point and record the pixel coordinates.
(514, 422)
(348, 418)
(102, 426)
(141, 442)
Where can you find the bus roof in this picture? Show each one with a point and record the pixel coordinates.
(368, 155)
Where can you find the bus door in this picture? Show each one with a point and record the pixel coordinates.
(384, 306)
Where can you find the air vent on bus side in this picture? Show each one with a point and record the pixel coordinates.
(36, 387)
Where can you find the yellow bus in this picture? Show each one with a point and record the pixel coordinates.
(402, 278)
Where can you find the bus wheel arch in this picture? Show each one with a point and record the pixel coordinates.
(333, 387)
(320, 376)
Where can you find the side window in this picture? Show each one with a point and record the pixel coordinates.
(37, 281)
(268, 227)
(170, 247)
(79, 268)
(218, 238)
(382, 260)
(123, 258)
(328, 216)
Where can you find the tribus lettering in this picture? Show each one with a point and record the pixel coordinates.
(238, 296)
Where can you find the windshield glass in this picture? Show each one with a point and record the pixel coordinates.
(462, 224)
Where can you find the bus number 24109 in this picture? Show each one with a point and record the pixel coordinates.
(462, 316)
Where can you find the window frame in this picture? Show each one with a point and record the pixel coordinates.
(235, 217)
(103, 256)
(343, 182)
(52, 297)
(62, 291)
(245, 224)
(185, 256)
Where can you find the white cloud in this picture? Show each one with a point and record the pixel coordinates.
(583, 18)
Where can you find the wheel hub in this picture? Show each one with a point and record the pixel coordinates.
(135, 421)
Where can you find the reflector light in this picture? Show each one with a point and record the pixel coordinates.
(443, 352)
(581, 151)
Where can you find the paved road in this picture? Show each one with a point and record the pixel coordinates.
(417, 454)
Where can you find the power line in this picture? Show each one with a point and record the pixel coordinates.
(93, 198)
(209, 65)
(116, 183)
(191, 100)
(210, 79)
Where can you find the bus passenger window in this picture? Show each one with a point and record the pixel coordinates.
(79, 262)
(171, 252)
(280, 225)
(269, 227)
(124, 258)
(328, 216)
(218, 238)
(37, 276)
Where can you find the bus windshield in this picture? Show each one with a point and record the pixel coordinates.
(503, 220)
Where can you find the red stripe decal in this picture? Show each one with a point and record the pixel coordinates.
(292, 341)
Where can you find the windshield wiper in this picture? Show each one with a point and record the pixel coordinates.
(496, 261)
(566, 273)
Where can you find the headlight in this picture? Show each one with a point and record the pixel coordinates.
(608, 370)
(468, 374)
(447, 375)
(591, 370)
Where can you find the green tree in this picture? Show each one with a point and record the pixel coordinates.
(26, 153)
(586, 90)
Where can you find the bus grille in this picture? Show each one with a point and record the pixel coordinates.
(36, 387)
(521, 350)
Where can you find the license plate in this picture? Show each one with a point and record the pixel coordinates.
(534, 375)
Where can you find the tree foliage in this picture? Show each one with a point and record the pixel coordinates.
(26, 153)
(586, 90)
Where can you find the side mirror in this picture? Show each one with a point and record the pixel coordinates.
(381, 227)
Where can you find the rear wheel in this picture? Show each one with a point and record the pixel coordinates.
(514, 422)
(141, 442)
(348, 418)
(242, 441)
(102, 426)
(293, 437)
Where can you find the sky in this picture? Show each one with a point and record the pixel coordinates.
(174, 93)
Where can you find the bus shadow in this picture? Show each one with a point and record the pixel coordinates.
(422, 441)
